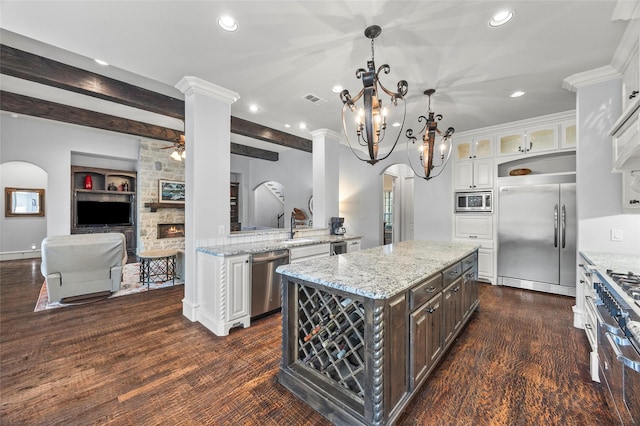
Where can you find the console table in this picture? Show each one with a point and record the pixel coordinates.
(157, 263)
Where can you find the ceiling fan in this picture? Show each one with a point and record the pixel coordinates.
(178, 153)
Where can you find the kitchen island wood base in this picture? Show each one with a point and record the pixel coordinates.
(358, 356)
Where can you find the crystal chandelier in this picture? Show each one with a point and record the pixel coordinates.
(370, 118)
(430, 157)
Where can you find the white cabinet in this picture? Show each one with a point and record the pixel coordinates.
(224, 292)
(531, 140)
(238, 285)
(626, 139)
(631, 192)
(300, 254)
(353, 245)
(478, 229)
(474, 226)
(470, 149)
(476, 174)
(568, 139)
(486, 264)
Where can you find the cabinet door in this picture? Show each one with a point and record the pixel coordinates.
(483, 148)
(353, 246)
(485, 264)
(483, 174)
(542, 139)
(474, 226)
(452, 309)
(631, 192)
(511, 143)
(463, 175)
(463, 150)
(568, 135)
(426, 335)
(238, 287)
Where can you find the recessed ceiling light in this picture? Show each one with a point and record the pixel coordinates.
(501, 18)
(227, 23)
(336, 89)
(14, 115)
(101, 62)
(396, 124)
(302, 125)
(253, 108)
(517, 94)
(287, 125)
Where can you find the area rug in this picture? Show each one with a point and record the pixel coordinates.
(130, 285)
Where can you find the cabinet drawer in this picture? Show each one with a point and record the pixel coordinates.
(425, 290)
(468, 262)
(450, 274)
(474, 226)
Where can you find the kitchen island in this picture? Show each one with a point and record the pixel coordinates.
(362, 331)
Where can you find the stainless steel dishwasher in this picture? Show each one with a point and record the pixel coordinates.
(265, 282)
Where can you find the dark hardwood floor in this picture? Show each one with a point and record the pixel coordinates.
(135, 360)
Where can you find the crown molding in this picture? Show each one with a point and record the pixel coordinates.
(587, 78)
(189, 85)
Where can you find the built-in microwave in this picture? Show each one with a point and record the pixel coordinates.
(481, 201)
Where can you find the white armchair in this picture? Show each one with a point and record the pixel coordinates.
(82, 264)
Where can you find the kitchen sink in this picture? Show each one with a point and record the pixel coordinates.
(297, 240)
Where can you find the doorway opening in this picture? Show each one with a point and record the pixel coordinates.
(397, 204)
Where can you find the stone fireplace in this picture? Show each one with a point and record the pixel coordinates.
(155, 164)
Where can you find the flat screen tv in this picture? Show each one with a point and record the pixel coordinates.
(103, 213)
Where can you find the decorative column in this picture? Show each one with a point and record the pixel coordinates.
(326, 170)
(207, 174)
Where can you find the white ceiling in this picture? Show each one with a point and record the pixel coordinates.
(284, 50)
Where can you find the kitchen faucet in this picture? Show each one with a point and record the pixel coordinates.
(293, 225)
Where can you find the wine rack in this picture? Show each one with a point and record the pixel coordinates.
(331, 337)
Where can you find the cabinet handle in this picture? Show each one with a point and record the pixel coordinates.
(473, 236)
(431, 310)
(633, 94)
(430, 289)
(581, 281)
(456, 289)
(634, 201)
(588, 326)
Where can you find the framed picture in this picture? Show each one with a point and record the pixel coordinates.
(23, 202)
(170, 191)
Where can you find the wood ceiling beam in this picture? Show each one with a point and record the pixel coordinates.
(26, 105)
(267, 134)
(68, 114)
(27, 66)
(248, 151)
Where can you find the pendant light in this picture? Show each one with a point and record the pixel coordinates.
(367, 123)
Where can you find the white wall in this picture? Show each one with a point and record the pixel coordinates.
(361, 200)
(49, 145)
(293, 170)
(20, 234)
(599, 192)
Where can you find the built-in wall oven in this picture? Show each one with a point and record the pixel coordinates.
(618, 317)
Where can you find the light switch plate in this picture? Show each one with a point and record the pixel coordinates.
(616, 235)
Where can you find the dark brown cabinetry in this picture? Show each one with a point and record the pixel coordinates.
(234, 201)
(359, 360)
(104, 200)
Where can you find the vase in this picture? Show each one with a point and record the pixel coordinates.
(88, 183)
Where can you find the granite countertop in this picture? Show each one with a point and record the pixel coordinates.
(617, 262)
(380, 272)
(264, 246)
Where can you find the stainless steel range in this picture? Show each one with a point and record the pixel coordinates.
(618, 315)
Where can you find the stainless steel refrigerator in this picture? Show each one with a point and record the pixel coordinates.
(537, 231)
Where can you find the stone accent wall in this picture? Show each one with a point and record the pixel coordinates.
(156, 164)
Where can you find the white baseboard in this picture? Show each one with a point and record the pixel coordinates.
(26, 254)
